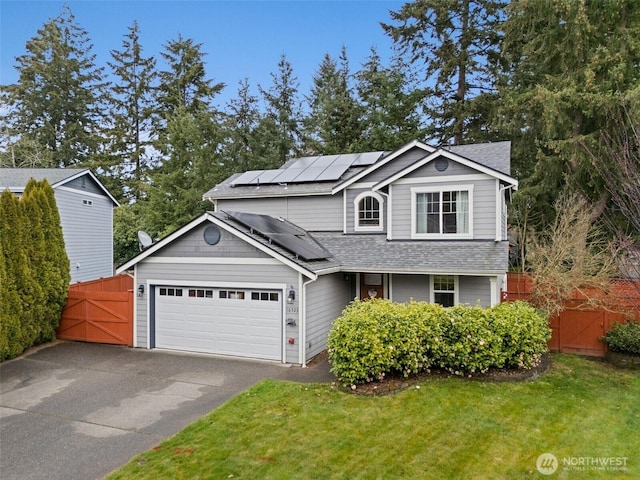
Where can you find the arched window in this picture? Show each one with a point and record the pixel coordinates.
(368, 212)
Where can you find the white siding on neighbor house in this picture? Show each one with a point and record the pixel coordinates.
(327, 297)
(239, 274)
(87, 226)
(406, 287)
(484, 207)
(320, 213)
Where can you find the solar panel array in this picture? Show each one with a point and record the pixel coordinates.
(282, 233)
(310, 169)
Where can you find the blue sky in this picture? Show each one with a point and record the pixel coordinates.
(242, 38)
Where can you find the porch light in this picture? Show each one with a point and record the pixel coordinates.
(292, 296)
(140, 290)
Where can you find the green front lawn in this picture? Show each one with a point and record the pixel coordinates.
(580, 410)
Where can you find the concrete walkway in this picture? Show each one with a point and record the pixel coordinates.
(76, 411)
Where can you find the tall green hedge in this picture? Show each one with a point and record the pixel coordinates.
(377, 337)
(34, 268)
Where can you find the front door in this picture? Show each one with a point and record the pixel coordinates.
(371, 285)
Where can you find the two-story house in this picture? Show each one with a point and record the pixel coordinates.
(86, 215)
(282, 252)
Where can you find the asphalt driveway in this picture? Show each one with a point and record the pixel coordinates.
(76, 411)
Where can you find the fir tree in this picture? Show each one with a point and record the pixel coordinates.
(56, 102)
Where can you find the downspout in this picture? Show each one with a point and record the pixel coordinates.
(303, 321)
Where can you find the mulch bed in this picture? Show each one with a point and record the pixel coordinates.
(396, 383)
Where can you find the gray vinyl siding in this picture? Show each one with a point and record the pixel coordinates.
(192, 245)
(321, 213)
(395, 165)
(475, 290)
(405, 287)
(351, 194)
(484, 208)
(327, 297)
(429, 170)
(190, 274)
(88, 233)
(84, 183)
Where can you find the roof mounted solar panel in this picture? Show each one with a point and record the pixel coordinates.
(282, 233)
(247, 178)
(368, 158)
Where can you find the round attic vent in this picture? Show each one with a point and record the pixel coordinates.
(212, 235)
(442, 164)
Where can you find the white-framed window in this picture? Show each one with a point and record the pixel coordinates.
(444, 290)
(442, 211)
(368, 212)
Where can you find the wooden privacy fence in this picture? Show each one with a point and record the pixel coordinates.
(99, 311)
(578, 328)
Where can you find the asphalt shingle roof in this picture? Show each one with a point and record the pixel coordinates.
(15, 179)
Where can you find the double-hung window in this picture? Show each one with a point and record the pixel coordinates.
(444, 290)
(441, 211)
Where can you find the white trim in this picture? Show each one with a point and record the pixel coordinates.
(362, 185)
(214, 260)
(344, 211)
(443, 179)
(207, 217)
(456, 288)
(81, 193)
(381, 162)
(93, 177)
(498, 213)
(442, 188)
(452, 156)
(135, 309)
(495, 292)
(356, 213)
(217, 284)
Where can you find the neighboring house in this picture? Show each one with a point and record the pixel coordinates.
(86, 215)
(284, 251)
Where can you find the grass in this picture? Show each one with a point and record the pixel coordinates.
(442, 428)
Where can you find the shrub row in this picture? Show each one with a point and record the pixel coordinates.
(377, 337)
(34, 268)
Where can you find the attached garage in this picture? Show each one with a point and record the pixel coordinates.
(243, 322)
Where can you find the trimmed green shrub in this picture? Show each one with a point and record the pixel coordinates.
(624, 337)
(377, 337)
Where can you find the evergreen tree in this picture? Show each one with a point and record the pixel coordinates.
(242, 148)
(11, 341)
(191, 167)
(56, 102)
(188, 140)
(572, 62)
(390, 117)
(333, 124)
(56, 265)
(20, 275)
(132, 108)
(456, 46)
(36, 248)
(279, 130)
(185, 86)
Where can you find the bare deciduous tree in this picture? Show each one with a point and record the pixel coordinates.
(572, 256)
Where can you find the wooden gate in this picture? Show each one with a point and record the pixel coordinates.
(578, 328)
(99, 311)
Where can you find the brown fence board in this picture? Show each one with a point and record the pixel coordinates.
(99, 311)
(578, 328)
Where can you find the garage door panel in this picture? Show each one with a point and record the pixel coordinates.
(220, 321)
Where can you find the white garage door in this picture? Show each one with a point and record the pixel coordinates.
(242, 322)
